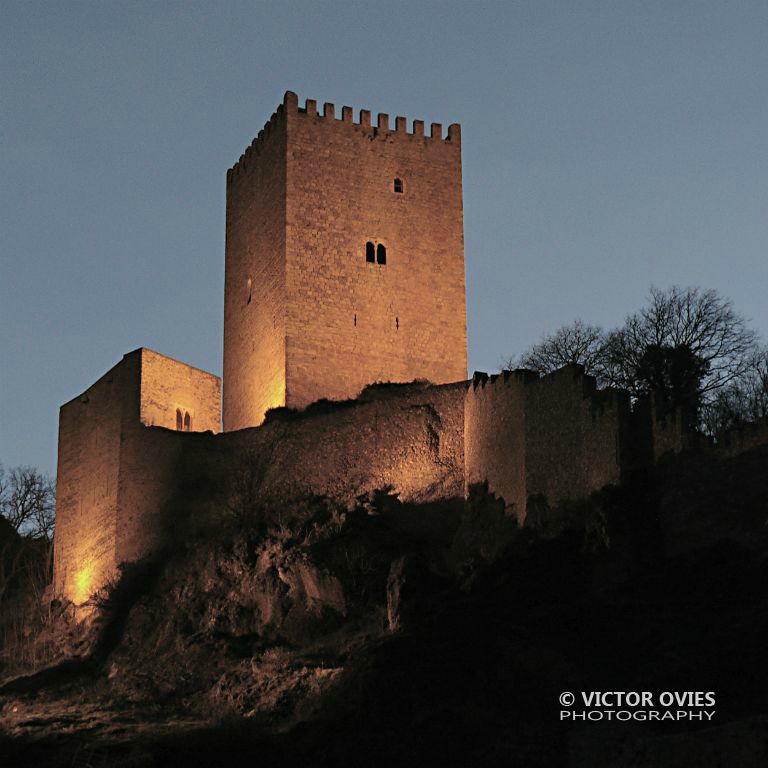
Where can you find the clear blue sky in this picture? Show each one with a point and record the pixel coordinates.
(607, 146)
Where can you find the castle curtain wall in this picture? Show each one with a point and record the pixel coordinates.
(554, 437)
(494, 437)
(575, 436)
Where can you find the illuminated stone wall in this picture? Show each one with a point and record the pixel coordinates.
(323, 321)
(351, 322)
(576, 437)
(90, 428)
(125, 486)
(110, 482)
(554, 436)
(168, 387)
(254, 280)
(407, 438)
(494, 436)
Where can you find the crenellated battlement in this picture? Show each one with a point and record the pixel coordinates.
(382, 127)
(522, 376)
(256, 147)
(555, 436)
(381, 130)
(568, 376)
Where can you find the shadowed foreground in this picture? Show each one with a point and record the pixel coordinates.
(432, 635)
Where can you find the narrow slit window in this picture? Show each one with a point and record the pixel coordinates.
(399, 186)
(370, 252)
(381, 254)
(179, 423)
(187, 422)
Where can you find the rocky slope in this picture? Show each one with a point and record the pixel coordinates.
(425, 634)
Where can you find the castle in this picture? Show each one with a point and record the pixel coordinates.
(344, 271)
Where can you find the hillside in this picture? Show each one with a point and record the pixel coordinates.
(429, 634)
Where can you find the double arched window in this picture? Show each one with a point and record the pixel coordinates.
(375, 254)
(183, 421)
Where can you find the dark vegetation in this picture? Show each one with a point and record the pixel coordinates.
(439, 634)
(378, 391)
(687, 345)
(27, 513)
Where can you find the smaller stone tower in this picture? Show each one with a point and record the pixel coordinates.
(111, 482)
(344, 260)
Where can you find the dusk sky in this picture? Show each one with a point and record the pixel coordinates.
(606, 146)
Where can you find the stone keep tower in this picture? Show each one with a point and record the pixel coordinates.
(344, 260)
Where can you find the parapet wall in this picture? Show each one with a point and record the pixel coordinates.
(381, 130)
(554, 437)
(170, 389)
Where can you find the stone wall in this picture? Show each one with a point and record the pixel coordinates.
(741, 439)
(575, 435)
(170, 388)
(555, 437)
(90, 429)
(254, 279)
(494, 436)
(124, 487)
(407, 438)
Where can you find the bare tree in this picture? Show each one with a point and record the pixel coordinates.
(689, 344)
(27, 516)
(579, 343)
(28, 501)
(742, 401)
(720, 345)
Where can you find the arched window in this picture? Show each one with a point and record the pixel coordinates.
(179, 423)
(187, 422)
(370, 252)
(399, 185)
(381, 254)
